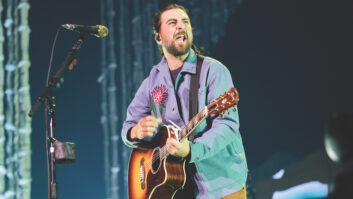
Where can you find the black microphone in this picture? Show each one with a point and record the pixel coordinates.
(97, 30)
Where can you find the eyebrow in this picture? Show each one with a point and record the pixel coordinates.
(173, 19)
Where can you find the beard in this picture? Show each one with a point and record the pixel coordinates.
(178, 49)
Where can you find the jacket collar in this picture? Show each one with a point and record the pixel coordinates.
(189, 65)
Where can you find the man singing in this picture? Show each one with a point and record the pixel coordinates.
(216, 164)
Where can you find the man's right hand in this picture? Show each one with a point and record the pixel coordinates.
(145, 127)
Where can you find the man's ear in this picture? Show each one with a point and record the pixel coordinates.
(158, 39)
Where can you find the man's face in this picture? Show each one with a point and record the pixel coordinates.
(176, 32)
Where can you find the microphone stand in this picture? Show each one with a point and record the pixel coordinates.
(52, 124)
(60, 153)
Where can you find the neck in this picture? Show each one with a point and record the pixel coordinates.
(175, 62)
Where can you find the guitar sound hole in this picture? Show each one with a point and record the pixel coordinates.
(156, 160)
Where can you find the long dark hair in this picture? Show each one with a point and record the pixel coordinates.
(156, 25)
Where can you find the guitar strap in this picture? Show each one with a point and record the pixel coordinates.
(193, 95)
(188, 190)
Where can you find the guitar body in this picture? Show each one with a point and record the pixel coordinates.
(159, 180)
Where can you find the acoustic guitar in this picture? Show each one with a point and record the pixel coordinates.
(153, 172)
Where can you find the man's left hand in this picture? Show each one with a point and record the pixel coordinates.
(180, 149)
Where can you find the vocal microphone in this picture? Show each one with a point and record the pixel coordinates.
(97, 30)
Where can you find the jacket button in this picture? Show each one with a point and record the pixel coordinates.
(173, 108)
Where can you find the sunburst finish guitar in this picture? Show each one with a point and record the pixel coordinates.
(153, 173)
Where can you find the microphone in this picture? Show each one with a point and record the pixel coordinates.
(97, 30)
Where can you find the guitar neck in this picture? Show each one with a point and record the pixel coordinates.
(193, 123)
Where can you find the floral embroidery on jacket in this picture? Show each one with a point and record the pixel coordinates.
(159, 96)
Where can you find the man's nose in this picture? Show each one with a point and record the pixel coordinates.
(180, 25)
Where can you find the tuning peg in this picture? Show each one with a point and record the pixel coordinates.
(234, 109)
(222, 115)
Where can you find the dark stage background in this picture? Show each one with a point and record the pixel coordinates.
(291, 61)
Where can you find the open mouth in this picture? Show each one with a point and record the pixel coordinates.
(180, 37)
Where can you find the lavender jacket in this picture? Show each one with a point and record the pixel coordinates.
(217, 150)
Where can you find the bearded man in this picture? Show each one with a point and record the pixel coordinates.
(215, 158)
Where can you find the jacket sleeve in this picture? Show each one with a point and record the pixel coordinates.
(222, 131)
(138, 108)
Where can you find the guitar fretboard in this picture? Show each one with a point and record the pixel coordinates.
(193, 123)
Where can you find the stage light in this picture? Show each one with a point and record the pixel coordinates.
(278, 175)
(313, 189)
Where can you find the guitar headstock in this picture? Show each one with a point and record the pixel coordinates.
(224, 102)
